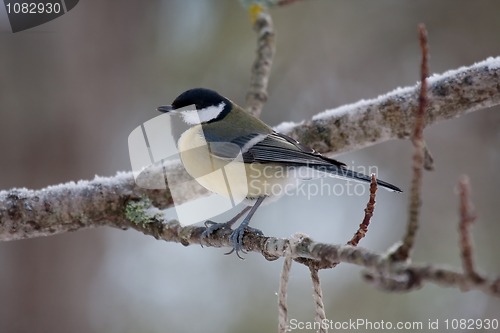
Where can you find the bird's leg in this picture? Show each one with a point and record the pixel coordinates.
(212, 226)
(237, 235)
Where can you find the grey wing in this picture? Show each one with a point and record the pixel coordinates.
(224, 150)
(271, 148)
(230, 150)
(279, 148)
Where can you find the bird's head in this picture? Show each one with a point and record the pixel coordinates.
(209, 105)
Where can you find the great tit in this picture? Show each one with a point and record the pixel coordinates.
(270, 159)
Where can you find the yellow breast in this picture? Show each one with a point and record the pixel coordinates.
(229, 177)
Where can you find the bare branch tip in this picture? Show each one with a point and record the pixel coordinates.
(467, 218)
(286, 2)
(370, 207)
(428, 159)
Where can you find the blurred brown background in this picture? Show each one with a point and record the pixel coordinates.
(73, 89)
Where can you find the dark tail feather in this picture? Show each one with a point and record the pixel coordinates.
(349, 174)
(359, 176)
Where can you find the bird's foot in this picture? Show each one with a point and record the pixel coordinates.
(212, 227)
(237, 238)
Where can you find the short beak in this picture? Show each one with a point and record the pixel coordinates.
(165, 108)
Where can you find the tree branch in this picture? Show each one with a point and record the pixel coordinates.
(391, 116)
(72, 206)
(105, 201)
(102, 201)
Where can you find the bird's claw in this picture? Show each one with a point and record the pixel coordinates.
(236, 238)
(212, 227)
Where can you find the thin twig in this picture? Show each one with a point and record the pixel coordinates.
(314, 267)
(287, 2)
(261, 68)
(362, 229)
(467, 218)
(370, 207)
(428, 159)
(403, 252)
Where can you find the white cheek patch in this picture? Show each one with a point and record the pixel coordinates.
(190, 117)
(194, 117)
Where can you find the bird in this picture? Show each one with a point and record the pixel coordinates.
(222, 130)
